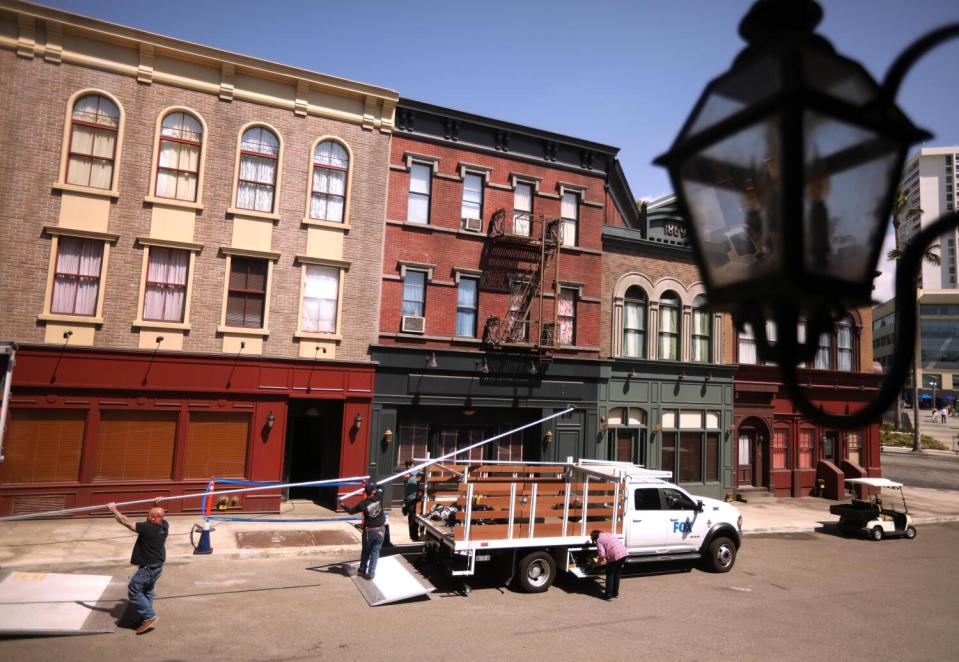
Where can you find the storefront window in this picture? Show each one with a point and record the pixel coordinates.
(853, 447)
(43, 446)
(136, 445)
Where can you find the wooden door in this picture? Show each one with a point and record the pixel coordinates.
(626, 445)
(745, 465)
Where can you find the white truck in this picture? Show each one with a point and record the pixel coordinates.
(535, 519)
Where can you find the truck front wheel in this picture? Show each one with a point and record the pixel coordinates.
(535, 572)
(721, 555)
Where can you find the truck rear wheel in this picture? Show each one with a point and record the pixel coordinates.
(535, 572)
(721, 556)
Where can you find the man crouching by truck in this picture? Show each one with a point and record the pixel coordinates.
(612, 553)
(374, 528)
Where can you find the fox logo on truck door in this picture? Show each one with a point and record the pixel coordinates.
(682, 527)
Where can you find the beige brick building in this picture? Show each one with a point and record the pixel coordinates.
(186, 231)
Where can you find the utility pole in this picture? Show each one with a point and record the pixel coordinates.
(916, 358)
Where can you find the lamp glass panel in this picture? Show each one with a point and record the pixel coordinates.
(732, 190)
(826, 72)
(848, 170)
(736, 91)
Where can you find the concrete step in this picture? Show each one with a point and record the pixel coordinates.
(754, 494)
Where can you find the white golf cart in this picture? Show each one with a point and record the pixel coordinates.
(873, 517)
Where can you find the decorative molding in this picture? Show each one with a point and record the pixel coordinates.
(169, 243)
(170, 202)
(56, 230)
(248, 252)
(26, 37)
(227, 76)
(301, 104)
(70, 319)
(242, 331)
(369, 113)
(322, 261)
(145, 70)
(86, 190)
(173, 326)
(53, 52)
(259, 215)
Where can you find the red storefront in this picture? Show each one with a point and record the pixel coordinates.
(778, 450)
(91, 426)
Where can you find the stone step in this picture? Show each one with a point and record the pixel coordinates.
(754, 494)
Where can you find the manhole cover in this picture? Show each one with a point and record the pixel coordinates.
(264, 539)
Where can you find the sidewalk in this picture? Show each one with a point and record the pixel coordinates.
(84, 542)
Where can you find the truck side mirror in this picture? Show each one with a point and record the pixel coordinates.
(700, 507)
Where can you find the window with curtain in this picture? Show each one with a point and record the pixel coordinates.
(779, 445)
(747, 345)
(805, 448)
(669, 308)
(164, 297)
(178, 160)
(567, 316)
(853, 447)
(94, 125)
(510, 447)
(414, 293)
(466, 300)
(331, 165)
(569, 211)
(701, 332)
(321, 287)
(43, 446)
(418, 203)
(246, 295)
(472, 205)
(844, 345)
(413, 439)
(259, 158)
(522, 209)
(824, 354)
(634, 323)
(76, 281)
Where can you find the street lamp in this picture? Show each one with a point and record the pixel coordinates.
(933, 384)
(786, 171)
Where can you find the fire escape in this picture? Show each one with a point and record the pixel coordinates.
(518, 255)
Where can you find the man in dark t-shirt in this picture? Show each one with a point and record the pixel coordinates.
(374, 521)
(149, 553)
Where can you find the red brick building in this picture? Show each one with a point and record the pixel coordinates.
(491, 288)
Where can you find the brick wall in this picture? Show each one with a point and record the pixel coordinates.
(443, 244)
(35, 95)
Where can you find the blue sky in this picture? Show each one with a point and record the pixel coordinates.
(617, 72)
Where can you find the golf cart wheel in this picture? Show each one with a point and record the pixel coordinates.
(722, 555)
(876, 533)
(910, 532)
(535, 572)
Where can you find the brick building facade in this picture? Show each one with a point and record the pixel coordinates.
(182, 227)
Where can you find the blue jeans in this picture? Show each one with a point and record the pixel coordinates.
(141, 588)
(372, 543)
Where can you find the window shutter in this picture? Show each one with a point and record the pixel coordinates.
(43, 445)
(135, 445)
(217, 445)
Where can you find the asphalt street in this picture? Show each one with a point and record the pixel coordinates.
(922, 470)
(790, 597)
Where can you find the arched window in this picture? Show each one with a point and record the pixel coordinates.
(634, 323)
(259, 158)
(94, 125)
(701, 336)
(331, 165)
(178, 159)
(669, 308)
(844, 345)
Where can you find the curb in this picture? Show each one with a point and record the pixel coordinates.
(800, 528)
(930, 451)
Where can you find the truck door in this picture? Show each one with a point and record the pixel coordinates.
(685, 523)
(646, 522)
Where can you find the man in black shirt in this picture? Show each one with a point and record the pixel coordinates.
(149, 553)
(374, 520)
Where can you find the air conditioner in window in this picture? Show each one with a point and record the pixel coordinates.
(411, 324)
(473, 224)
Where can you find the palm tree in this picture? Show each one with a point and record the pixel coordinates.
(900, 210)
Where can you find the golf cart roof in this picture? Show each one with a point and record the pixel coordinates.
(875, 482)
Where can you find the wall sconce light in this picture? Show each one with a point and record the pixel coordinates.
(387, 437)
(532, 368)
(484, 367)
(67, 334)
(431, 362)
(632, 374)
(159, 339)
(682, 375)
(730, 428)
(603, 424)
(270, 420)
(709, 376)
(657, 428)
(548, 437)
(358, 422)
